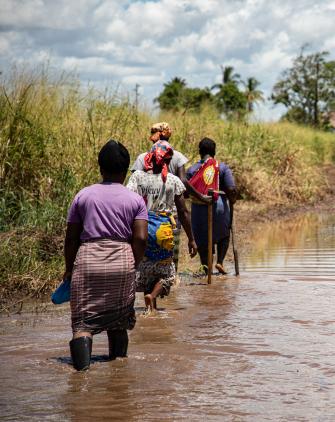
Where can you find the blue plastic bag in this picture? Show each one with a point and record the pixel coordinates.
(62, 293)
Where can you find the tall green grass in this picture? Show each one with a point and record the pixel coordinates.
(51, 129)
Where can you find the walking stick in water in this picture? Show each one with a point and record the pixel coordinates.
(237, 269)
(210, 238)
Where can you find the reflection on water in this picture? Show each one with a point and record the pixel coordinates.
(301, 247)
(256, 348)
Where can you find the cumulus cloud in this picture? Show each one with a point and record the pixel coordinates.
(149, 42)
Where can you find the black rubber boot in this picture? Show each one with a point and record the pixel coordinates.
(81, 349)
(118, 343)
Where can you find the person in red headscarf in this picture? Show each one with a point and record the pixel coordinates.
(162, 132)
(162, 191)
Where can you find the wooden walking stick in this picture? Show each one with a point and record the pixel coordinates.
(235, 253)
(210, 237)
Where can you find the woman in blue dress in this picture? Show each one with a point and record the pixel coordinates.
(221, 211)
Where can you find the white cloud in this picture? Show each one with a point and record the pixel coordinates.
(150, 42)
(270, 60)
(58, 14)
(329, 44)
(143, 79)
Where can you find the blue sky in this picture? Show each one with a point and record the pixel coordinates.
(124, 43)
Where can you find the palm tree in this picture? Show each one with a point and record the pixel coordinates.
(171, 96)
(229, 100)
(228, 76)
(252, 94)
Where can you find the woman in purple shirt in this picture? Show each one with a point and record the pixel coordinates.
(105, 241)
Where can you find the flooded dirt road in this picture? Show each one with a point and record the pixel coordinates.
(255, 348)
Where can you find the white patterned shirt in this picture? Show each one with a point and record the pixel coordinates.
(157, 195)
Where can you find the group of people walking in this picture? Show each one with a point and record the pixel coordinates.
(120, 239)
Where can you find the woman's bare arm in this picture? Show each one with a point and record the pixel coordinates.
(139, 240)
(184, 217)
(71, 246)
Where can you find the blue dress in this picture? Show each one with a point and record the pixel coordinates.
(221, 213)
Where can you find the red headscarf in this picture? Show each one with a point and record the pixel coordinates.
(162, 152)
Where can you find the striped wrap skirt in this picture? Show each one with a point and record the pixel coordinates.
(103, 287)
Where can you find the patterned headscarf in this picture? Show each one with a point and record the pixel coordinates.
(158, 129)
(161, 151)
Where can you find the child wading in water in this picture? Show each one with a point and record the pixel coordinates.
(161, 191)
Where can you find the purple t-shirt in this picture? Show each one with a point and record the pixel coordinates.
(107, 210)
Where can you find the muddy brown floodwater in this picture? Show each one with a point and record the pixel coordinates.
(259, 347)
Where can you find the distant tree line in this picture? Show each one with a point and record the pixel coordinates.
(232, 97)
(307, 90)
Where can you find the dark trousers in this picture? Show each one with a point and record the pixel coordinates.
(222, 248)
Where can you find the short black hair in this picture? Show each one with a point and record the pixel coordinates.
(207, 147)
(114, 158)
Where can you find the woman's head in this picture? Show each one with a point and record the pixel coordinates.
(159, 158)
(160, 131)
(207, 147)
(114, 159)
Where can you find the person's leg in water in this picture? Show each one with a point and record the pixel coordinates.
(163, 275)
(81, 350)
(117, 343)
(222, 247)
(150, 298)
(203, 254)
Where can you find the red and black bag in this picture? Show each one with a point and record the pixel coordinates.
(207, 177)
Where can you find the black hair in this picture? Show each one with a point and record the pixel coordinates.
(164, 138)
(114, 158)
(207, 147)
